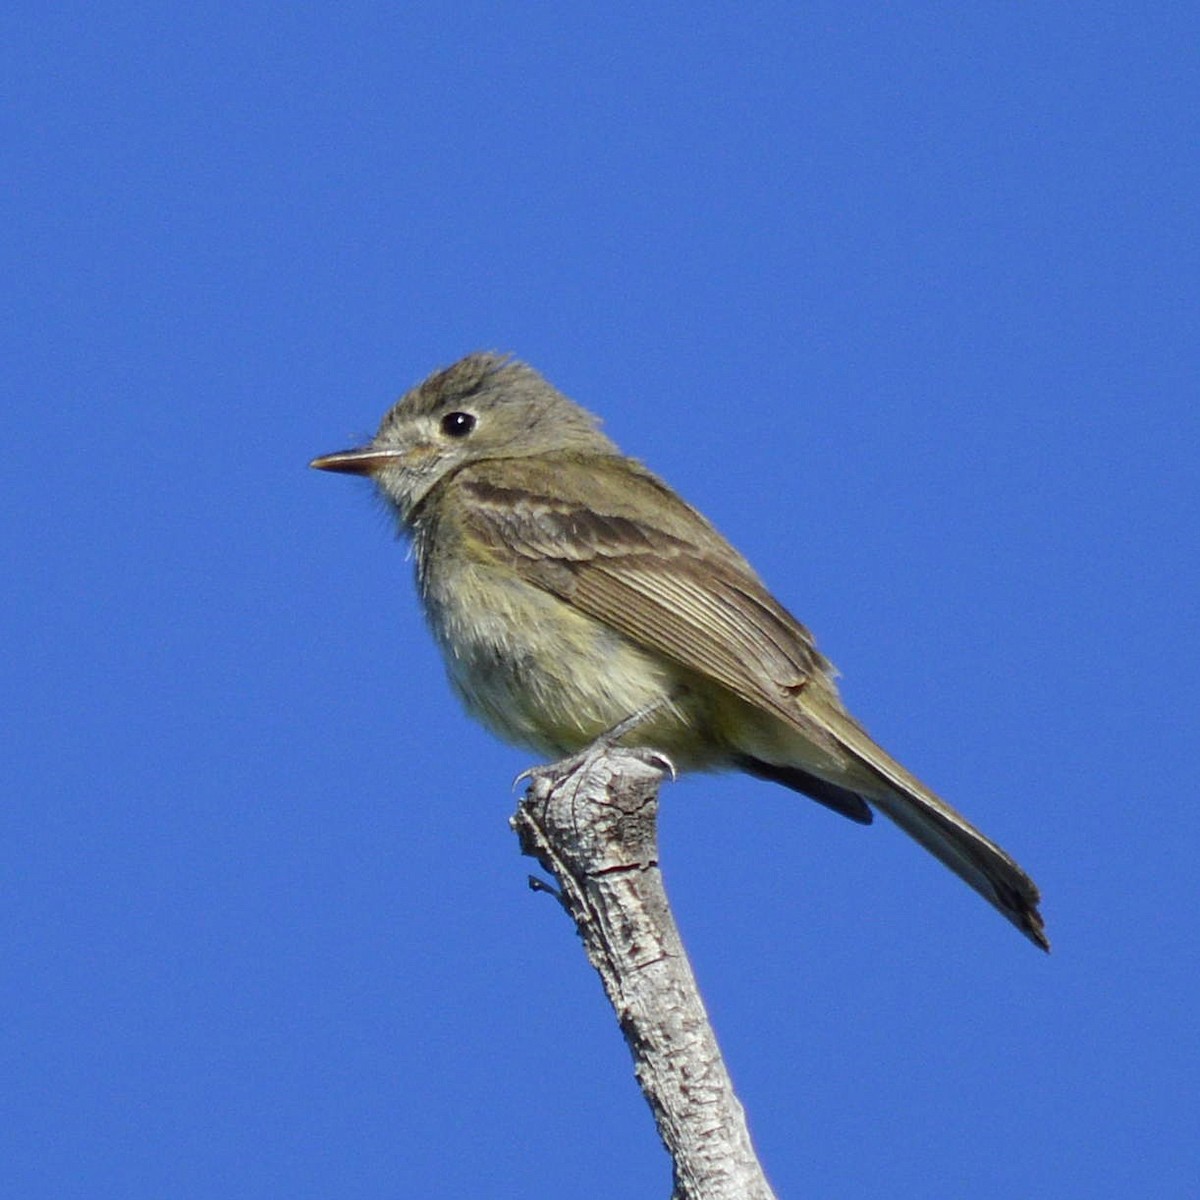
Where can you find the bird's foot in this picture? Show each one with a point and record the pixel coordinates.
(585, 759)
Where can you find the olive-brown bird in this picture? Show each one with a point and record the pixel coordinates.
(569, 588)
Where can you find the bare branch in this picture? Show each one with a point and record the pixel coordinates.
(592, 823)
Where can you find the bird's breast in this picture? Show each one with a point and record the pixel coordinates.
(537, 671)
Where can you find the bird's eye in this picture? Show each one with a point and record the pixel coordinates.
(457, 424)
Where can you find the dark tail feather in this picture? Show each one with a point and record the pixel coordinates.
(944, 832)
(972, 857)
(849, 804)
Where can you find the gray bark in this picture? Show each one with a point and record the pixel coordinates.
(592, 823)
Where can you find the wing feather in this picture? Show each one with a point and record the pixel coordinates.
(675, 586)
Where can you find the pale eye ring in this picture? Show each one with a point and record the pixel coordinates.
(458, 424)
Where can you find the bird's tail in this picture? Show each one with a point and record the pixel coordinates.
(944, 832)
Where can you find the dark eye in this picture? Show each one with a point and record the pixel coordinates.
(457, 424)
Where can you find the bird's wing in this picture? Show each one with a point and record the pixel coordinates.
(667, 581)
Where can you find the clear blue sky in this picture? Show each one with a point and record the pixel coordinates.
(904, 297)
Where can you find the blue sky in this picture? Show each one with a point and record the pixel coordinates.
(903, 297)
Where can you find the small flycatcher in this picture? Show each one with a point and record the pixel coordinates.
(569, 588)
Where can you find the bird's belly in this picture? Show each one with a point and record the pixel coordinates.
(539, 673)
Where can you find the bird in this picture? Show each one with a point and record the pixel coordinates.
(570, 589)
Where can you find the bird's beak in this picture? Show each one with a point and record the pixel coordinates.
(366, 460)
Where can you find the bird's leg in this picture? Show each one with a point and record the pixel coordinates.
(610, 737)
